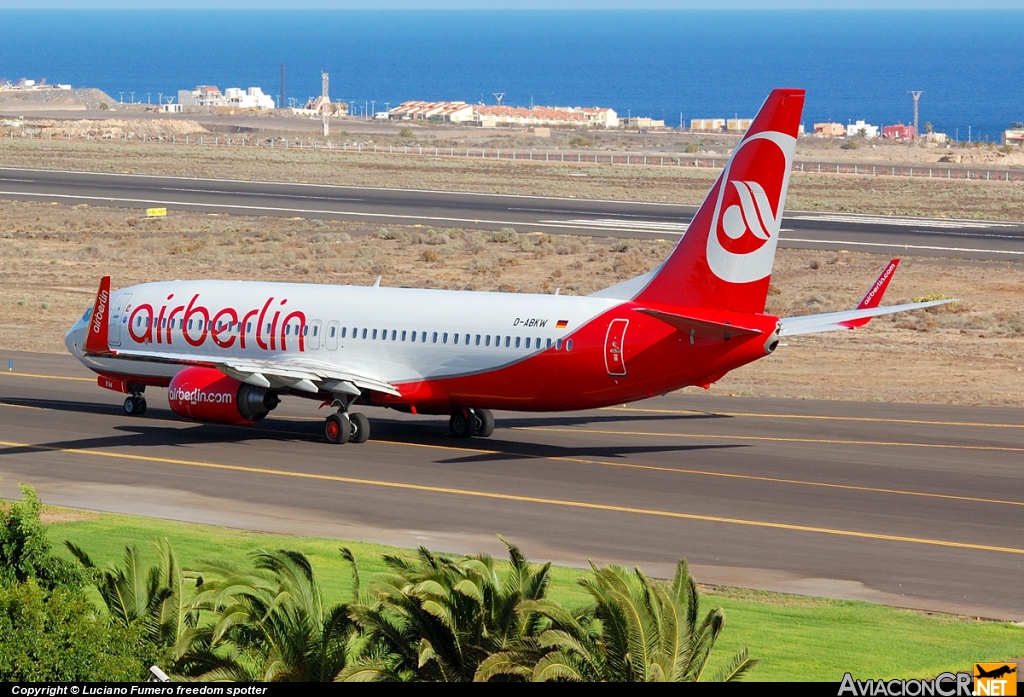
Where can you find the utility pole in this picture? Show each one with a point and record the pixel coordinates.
(325, 103)
(282, 102)
(916, 94)
(498, 96)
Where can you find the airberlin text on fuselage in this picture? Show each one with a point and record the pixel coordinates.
(197, 323)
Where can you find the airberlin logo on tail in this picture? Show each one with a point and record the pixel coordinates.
(748, 212)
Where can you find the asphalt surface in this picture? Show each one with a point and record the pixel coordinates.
(911, 505)
(811, 230)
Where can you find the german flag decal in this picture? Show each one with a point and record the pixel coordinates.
(561, 324)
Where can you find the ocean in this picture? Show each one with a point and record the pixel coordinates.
(663, 64)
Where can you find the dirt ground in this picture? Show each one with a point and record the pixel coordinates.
(830, 192)
(970, 353)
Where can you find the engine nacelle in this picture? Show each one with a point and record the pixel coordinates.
(206, 394)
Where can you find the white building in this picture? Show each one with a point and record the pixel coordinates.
(232, 98)
(490, 116)
(707, 124)
(859, 128)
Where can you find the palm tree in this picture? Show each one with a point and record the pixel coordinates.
(156, 599)
(438, 619)
(270, 624)
(635, 631)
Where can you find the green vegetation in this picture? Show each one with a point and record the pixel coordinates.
(405, 133)
(791, 637)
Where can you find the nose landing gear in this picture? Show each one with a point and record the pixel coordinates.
(472, 422)
(135, 404)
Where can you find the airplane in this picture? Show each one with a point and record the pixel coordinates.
(995, 673)
(228, 351)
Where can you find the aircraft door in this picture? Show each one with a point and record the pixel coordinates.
(614, 359)
(117, 319)
(313, 340)
(332, 335)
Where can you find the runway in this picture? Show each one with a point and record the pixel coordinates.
(801, 229)
(911, 505)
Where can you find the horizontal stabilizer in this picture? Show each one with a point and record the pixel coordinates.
(699, 328)
(848, 319)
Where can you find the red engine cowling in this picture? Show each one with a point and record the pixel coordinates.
(206, 394)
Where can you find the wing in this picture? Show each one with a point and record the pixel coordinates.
(297, 373)
(858, 317)
(848, 319)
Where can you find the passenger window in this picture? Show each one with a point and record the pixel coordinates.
(508, 341)
(455, 339)
(568, 345)
(374, 333)
(248, 327)
(394, 334)
(316, 330)
(444, 338)
(477, 339)
(434, 338)
(414, 337)
(364, 332)
(332, 332)
(344, 332)
(527, 342)
(518, 339)
(287, 330)
(332, 336)
(403, 335)
(384, 334)
(558, 345)
(487, 340)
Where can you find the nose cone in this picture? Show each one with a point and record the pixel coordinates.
(75, 338)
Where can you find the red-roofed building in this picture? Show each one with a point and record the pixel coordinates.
(898, 131)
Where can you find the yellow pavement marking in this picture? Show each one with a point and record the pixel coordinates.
(565, 503)
(723, 475)
(813, 417)
(655, 468)
(47, 377)
(775, 439)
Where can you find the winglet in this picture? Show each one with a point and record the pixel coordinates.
(874, 296)
(96, 339)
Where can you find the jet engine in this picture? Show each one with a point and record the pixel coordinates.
(206, 394)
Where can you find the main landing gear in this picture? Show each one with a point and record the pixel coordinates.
(135, 404)
(344, 427)
(472, 422)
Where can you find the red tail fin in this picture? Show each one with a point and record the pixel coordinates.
(97, 337)
(724, 261)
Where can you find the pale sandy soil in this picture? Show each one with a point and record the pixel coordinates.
(831, 192)
(974, 354)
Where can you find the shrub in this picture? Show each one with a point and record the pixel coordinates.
(405, 133)
(60, 636)
(692, 148)
(581, 142)
(25, 550)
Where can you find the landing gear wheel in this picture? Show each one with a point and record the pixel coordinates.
(135, 406)
(360, 428)
(460, 426)
(484, 423)
(337, 428)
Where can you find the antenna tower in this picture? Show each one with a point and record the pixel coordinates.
(916, 94)
(325, 103)
(498, 96)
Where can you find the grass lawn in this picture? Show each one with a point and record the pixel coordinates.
(792, 637)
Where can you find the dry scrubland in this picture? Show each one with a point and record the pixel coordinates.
(853, 193)
(970, 353)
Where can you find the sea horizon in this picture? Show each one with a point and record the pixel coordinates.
(666, 64)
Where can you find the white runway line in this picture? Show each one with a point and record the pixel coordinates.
(623, 225)
(904, 246)
(903, 222)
